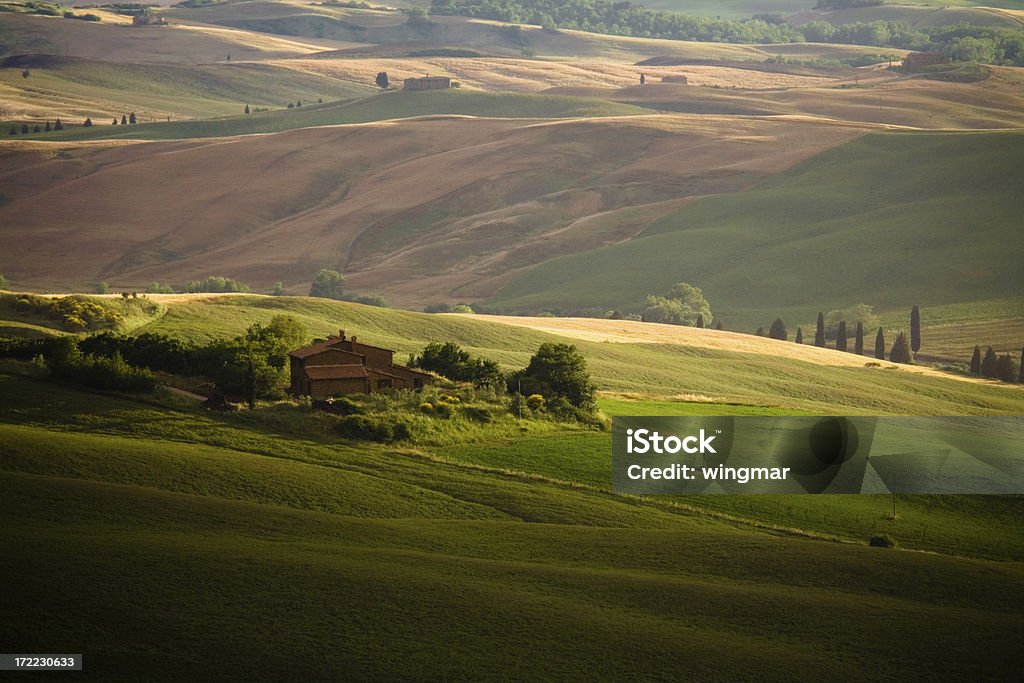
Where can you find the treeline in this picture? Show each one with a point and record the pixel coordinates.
(250, 366)
(961, 42)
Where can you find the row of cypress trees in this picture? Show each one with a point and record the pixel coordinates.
(994, 366)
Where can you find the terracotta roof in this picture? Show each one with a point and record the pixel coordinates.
(320, 372)
(318, 348)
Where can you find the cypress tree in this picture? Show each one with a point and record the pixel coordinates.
(778, 330)
(131, 118)
(24, 129)
(915, 329)
(700, 321)
(760, 332)
(819, 333)
(114, 123)
(124, 120)
(47, 128)
(1006, 368)
(901, 352)
(976, 361)
(14, 131)
(247, 109)
(880, 345)
(1020, 377)
(799, 336)
(841, 336)
(58, 125)
(858, 344)
(988, 363)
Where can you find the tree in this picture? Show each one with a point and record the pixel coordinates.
(124, 120)
(759, 332)
(24, 129)
(382, 80)
(557, 371)
(131, 119)
(114, 122)
(247, 109)
(976, 361)
(1020, 377)
(87, 123)
(799, 335)
(841, 336)
(449, 360)
(25, 73)
(58, 125)
(852, 315)
(4, 283)
(1006, 368)
(880, 345)
(819, 332)
(988, 364)
(35, 128)
(778, 330)
(718, 325)
(47, 127)
(858, 343)
(681, 306)
(13, 131)
(278, 289)
(915, 329)
(900, 352)
(102, 288)
(643, 79)
(328, 284)
(699, 324)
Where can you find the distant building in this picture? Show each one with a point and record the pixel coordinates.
(674, 79)
(428, 83)
(343, 365)
(147, 18)
(918, 60)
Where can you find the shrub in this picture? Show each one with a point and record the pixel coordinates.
(882, 541)
(535, 402)
(478, 414)
(379, 429)
(426, 408)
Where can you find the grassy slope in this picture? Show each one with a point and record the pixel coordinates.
(219, 539)
(101, 89)
(394, 105)
(887, 212)
(743, 8)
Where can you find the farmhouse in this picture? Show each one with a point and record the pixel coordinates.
(918, 60)
(428, 83)
(674, 79)
(343, 365)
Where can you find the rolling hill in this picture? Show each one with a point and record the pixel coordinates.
(874, 220)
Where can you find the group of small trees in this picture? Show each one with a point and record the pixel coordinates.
(58, 125)
(683, 305)
(1002, 367)
(451, 361)
(835, 326)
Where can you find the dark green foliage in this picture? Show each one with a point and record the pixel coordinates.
(976, 361)
(961, 41)
(841, 336)
(778, 330)
(915, 329)
(247, 109)
(87, 123)
(58, 125)
(216, 284)
(382, 80)
(24, 128)
(368, 300)
(681, 306)
(1020, 376)
(819, 332)
(13, 131)
(47, 127)
(880, 345)
(328, 284)
(759, 332)
(799, 336)
(159, 288)
(4, 283)
(131, 118)
(68, 363)
(437, 308)
(449, 360)
(1006, 368)
(278, 289)
(148, 350)
(989, 363)
(339, 406)
(699, 324)
(557, 371)
(124, 120)
(844, 4)
(900, 352)
(858, 343)
(382, 429)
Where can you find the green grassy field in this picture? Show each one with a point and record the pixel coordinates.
(872, 221)
(743, 8)
(232, 550)
(393, 105)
